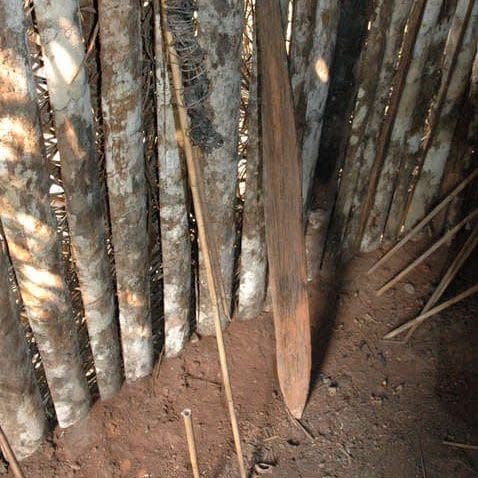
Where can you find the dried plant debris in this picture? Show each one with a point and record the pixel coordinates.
(182, 24)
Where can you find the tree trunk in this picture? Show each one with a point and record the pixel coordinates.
(311, 58)
(437, 154)
(253, 274)
(175, 236)
(402, 142)
(21, 411)
(220, 34)
(121, 51)
(63, 53)
(29, 225)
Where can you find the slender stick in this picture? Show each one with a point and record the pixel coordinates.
(188, 425)
(445, 238)
(449, 275)
(201, 211)
(464, 446)
(10, 456)
(425, 221)
(435, 310)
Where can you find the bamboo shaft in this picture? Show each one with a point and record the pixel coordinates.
(200, 208)
(188, 425)
(10, 456)
(449, 275)
(424, 221)
(435, 310)
(446, 237)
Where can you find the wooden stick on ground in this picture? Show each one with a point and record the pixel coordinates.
(10, 456)
(188, 425)
(435, 310)
(449, 275)
(464, 446)
(424, 221)
(204, 231)
(445, 238)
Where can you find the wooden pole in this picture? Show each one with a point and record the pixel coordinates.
(424, 221)
(10, 456)
(188, 425)
(449, 275)
(204, 232)
(283, 213)
(446, 237)
(435, 310)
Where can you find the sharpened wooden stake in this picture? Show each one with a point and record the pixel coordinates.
(10, 456)
(283, 213)
(445, 238)
(188, 425)
(421, 318)
(424, 221)
(206, 239)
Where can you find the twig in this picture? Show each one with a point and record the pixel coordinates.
(91, 44)
(201, 211)
(424, 221)
(445, 238)
(10, 456)
(464, 446)
(449, 275)
(300, 426)
(435, 310)
(188, 425)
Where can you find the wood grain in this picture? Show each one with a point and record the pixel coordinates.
(283, 213)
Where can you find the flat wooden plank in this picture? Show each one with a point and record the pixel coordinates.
(283, 213)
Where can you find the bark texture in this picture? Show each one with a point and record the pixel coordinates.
(63, 52)
(29, 225)
(403, 142)
(312, 49)
(220, 34)
(431, 174)
(380, 54)
(21, 411)
(175, 236)
(253, 274)
(121, 51)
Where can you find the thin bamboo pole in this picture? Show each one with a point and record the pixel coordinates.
(424, 221)
(446, 237)
(204, 232)
(188, 425)
(435, 310)
(10, 456)
(449, 275)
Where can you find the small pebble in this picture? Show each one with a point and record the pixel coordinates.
(409, 288)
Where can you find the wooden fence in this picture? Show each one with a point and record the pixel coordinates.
(99, 264)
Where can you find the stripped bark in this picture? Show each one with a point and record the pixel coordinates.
(438, 150)
(121, 51)
(220, 34)
(63, 53)
(379, 55)
(253, 274)
(175, 237)
(402, 142)
(29, 225)
(21, 411)
(310, 64)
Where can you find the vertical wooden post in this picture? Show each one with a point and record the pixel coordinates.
(64, 54)
(219, 36)
(121, 52)
(29, 226)
(283, 213)
(21, 411)
(175, 235)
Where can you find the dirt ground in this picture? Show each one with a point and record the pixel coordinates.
(377, 409)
